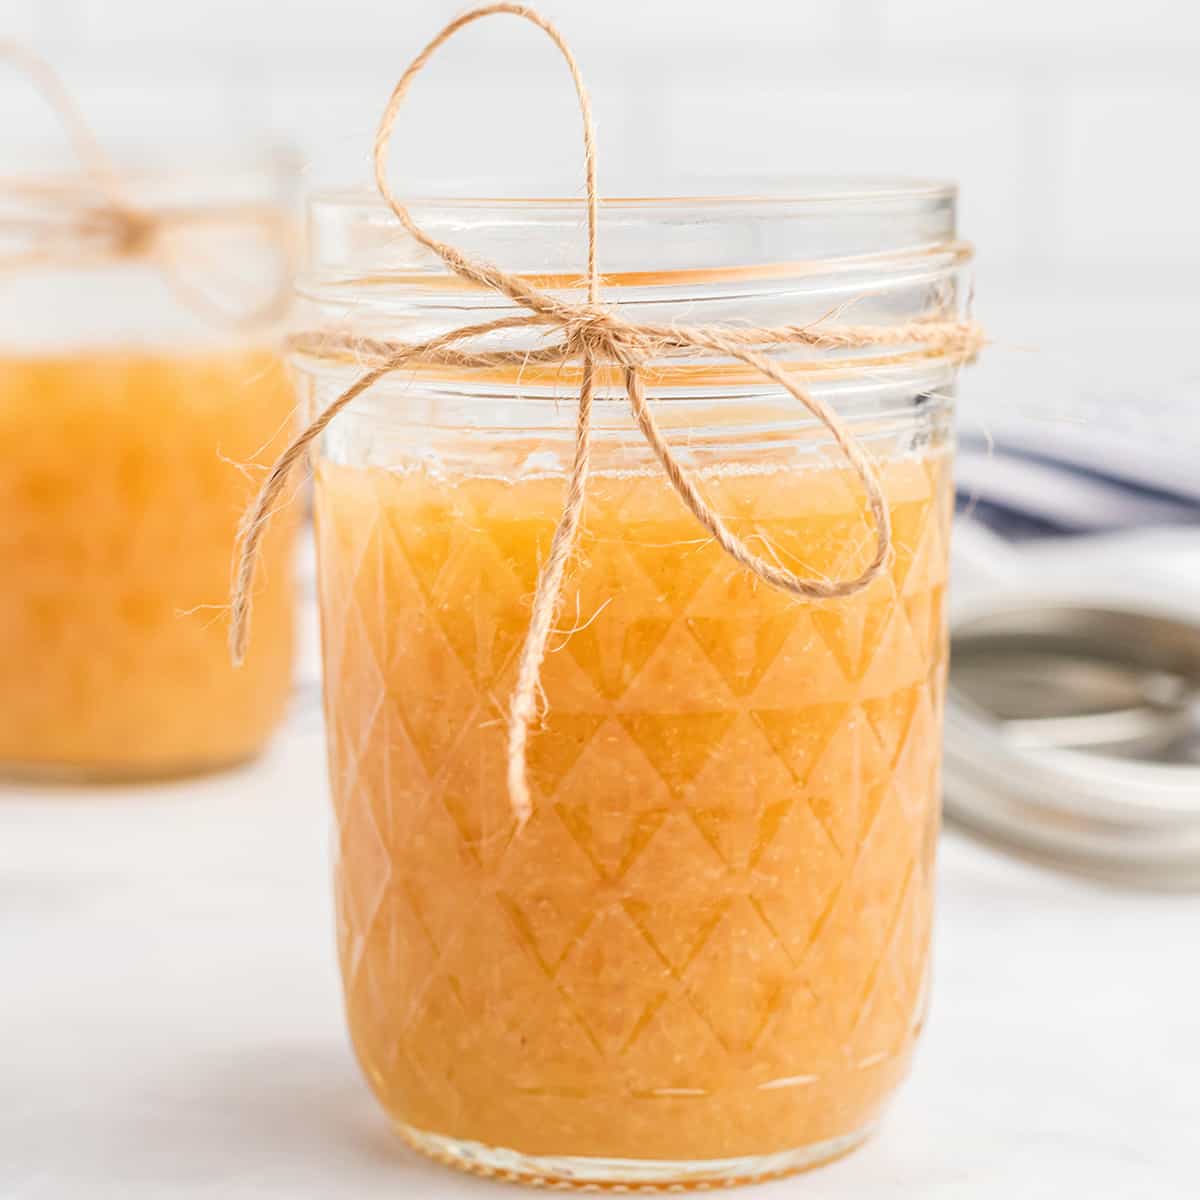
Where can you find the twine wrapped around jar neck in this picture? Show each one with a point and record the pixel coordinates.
(593, 334)
(92, 219)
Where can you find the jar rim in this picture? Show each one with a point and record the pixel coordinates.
(787, 226)
(757, 192)
(789, 255)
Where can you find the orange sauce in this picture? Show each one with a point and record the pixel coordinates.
(123, 482)
(711, 939)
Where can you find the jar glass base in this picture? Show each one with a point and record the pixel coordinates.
(625, 1174)
(52, 774)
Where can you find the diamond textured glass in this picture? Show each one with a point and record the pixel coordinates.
(704, 959)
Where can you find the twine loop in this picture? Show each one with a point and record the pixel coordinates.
(591, 334)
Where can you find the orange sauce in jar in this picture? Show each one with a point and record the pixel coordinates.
(711, 939)
(125, 475)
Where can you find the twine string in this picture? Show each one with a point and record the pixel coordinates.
(118, 228)
(592, 334)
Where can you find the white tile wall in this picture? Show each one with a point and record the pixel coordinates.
(1071, 124)
(1130, 172)
(929, 127)
(1044, 26)
(22, 20)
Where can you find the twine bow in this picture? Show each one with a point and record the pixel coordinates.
(591, 334)
(56, 227)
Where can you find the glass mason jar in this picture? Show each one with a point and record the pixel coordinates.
(705, 957)
(138, 392)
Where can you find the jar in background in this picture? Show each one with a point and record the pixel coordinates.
(705, 957)
(139, 392)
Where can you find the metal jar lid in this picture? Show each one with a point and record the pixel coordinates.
(1073, 735)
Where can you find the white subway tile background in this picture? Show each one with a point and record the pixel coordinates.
(1071, 126)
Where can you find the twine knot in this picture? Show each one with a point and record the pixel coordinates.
(133, 231)
(592, 333)
(596, 332)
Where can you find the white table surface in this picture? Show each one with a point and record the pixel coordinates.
(170, 1019)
